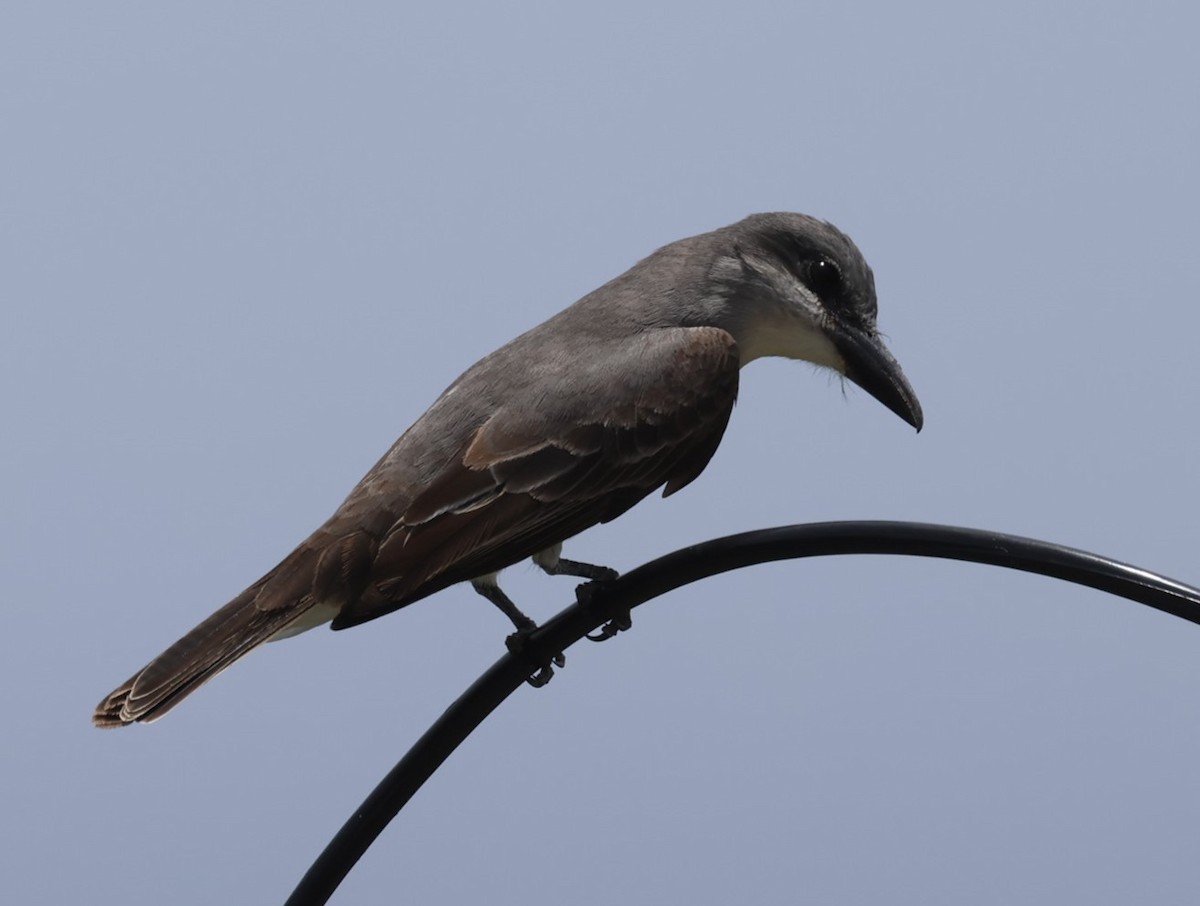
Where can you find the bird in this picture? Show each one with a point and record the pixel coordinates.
(626, 391)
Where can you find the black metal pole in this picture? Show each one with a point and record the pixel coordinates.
(612, 599)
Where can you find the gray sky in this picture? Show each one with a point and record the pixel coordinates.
(244, 246)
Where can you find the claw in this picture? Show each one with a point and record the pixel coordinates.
(540, 678)
(619, 623)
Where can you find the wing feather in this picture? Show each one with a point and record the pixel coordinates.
(650, 414)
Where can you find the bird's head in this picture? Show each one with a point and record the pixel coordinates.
(798, 287)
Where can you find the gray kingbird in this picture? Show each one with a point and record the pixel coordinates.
(569, 425)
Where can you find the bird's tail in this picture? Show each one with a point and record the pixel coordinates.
(279, 599)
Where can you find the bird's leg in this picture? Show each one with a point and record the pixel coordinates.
(554, 565)
(564, 567)
(486, 586)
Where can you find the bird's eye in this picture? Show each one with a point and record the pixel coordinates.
(824, 278)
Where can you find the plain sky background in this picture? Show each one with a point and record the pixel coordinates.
(243, 246)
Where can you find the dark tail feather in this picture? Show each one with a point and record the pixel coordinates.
(205, 651)
(250, 619)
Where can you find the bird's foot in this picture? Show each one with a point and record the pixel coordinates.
(585, 595)
(518, 645)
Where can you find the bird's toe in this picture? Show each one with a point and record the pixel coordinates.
(518, 644)
(619, 623)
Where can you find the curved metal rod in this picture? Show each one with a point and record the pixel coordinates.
(609, 600)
